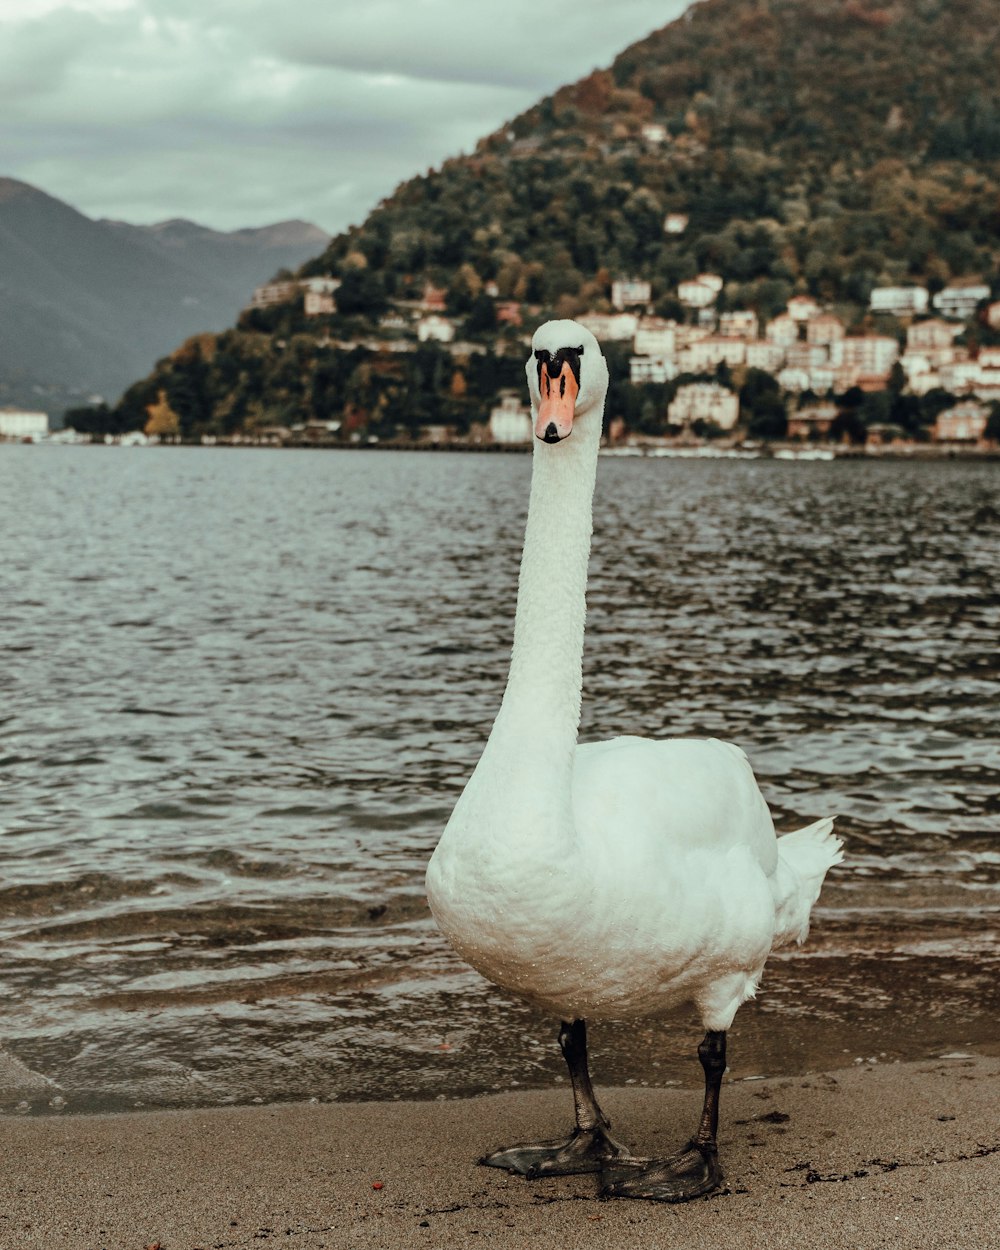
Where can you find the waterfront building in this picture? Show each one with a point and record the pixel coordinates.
(704, 401)
(23, 423)
(812, 421)
(510, 420)
(964, 423)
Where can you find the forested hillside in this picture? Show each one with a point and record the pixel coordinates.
(815, 145)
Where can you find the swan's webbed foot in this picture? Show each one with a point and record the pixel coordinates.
(691, 1173)
(585, 1150)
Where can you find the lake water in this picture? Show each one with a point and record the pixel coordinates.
(241, 691)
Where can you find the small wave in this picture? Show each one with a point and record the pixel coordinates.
(260, 989)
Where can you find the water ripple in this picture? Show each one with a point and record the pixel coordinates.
(241, 691)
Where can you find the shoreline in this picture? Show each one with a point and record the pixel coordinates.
(900, 1154)
(821, 452)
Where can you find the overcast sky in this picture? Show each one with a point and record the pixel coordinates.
(243, 112)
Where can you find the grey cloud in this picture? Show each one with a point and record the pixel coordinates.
(515, 43)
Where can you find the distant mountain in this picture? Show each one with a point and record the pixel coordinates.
(86, 306)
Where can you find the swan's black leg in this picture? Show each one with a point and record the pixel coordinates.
(590, 1147)
(691, 1172)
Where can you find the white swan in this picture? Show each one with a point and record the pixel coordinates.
(612, 879)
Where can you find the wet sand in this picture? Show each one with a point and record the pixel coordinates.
(899, 1155)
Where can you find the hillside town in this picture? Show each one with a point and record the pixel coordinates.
(693, 362)
(807, 349)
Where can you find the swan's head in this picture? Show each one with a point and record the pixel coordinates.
(567, 380)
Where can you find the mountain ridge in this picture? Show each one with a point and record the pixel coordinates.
(89, 304)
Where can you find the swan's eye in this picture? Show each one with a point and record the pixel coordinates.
(554, 362)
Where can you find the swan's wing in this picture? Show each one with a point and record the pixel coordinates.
(676, 795)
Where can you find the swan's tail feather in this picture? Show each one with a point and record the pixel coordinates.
(804, 859)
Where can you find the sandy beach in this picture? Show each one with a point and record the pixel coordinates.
(903, 1155)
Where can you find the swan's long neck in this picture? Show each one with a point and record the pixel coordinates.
(534, 737)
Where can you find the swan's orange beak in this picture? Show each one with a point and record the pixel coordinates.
(558, 400)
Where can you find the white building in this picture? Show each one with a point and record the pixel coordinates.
(611, 327)
(814, 420)
(626, 291)
(19, 423)
(822, 378)
(741, 323)
(651, 369)
(965, 423)
(826, 328)
(435, 329)
(784, 329)
(510, 420)
(318, 303)
(868, 355)
(701, 291)
(988, 386)
(711, 351)
(274, 293)
(807, 355)
(802, 307)
(961, 377)
(959, 300)
(915, 363)
(901, 301)
(767, 356)
(794, 378)
(675, 223)
(933, 335)
(655, 337)
(322, 284)
(655, 132)
(704, 401)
